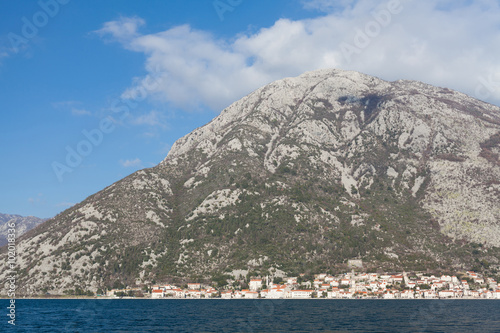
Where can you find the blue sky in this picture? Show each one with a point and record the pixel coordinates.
(137, 75)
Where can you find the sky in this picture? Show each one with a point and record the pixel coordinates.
(92, 91)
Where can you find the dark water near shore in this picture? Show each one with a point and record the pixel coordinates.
(253, 316)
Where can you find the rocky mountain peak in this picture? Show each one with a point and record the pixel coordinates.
(302, 174)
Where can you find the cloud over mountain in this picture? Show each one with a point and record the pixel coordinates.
(453, 44)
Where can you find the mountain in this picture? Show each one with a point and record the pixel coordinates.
(23, 224)
(299, 176)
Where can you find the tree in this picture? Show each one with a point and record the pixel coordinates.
(277, 280)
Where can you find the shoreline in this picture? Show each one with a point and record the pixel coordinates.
(246, 299)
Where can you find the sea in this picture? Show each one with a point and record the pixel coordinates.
(260, 315)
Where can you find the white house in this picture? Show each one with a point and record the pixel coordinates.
(302, 293)
(479, 280)
(388, 295)
(333, 293)
(446, 293)
(407, 294)
(317, 283)
(446, 278)
(255, 284)
(179, 293)
(345, 282)
(194, 293)
(157, 293)
(334, 283)
(226, 294)
(251, 294)
(429, 294)
(193, 286)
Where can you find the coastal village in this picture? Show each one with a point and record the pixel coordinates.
(344, 286)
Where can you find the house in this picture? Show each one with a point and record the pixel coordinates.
(465, 284)
(429, 294)
(345, 294)
(334, 283)
(179, 293)
(407, 294)
(226, 294)
(277, 292)
(251, 294)
(210, 292)
(446, 278)
(291, 280)
(383, 284)
(345, 282)
(317, 283)
(237, 294)
(194, 293)
(329, 278)
(437, 285)
(157, 293)
(397, 278)
(193, 286)
(333, 293)
(411, 285)
(496, 294)
(255, 284)
(479, 280)
(471, 274)
(446, 293)
(302, 293)
(389, 295)
(264, 293)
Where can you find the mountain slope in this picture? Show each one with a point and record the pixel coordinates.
(22, 223)
(301, 175)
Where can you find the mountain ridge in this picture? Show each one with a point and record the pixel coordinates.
(23, 224)
(300, 175)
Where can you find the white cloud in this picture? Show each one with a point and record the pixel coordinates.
(124, 29)
(73, 107)
(454, 44)
(153, 118)
(137, 163)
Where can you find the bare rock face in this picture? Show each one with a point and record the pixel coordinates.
(301, 175)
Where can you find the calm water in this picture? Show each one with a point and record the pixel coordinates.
(254, 316)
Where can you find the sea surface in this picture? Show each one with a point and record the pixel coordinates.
(133, 315)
